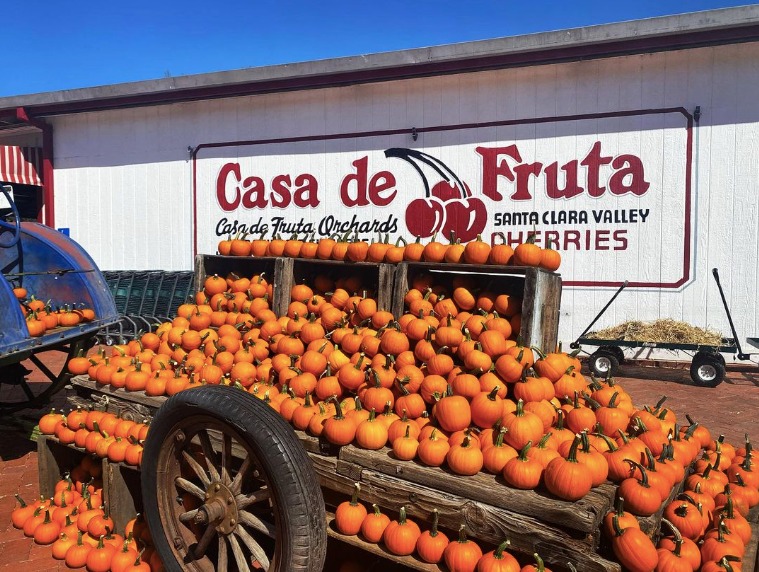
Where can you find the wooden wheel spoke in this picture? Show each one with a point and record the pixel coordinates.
(244, 501)
(42, 367)
(256, 523)
(196, 468)
(190, 487)
(226, 458)
(221, 563)
(188, 517)
(242, 562)
(255, 549)
(26, 389)
(208, 453)
(204, 542)
(244, 468)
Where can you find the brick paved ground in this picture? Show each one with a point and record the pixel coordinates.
(731, 408)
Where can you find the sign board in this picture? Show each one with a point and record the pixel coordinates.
(611, 192)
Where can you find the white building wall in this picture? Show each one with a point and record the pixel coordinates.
(124, 178)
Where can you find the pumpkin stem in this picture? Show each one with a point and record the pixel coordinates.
(643, 472)
(462, 534)
(572, 456)
(539, 562)
(354, 497)
(523, 453)
(498, 554)
(20, 500)
(402, 516)
(677, 535)
(435, 517)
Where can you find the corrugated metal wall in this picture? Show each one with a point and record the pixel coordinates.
(124, 178)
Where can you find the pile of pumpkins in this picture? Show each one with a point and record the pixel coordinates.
(40, 317)
(98, 433)
(75, 523)
(447, 384)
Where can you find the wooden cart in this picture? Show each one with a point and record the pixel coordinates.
(225, 478)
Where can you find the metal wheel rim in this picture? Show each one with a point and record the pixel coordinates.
(707, 372)
(57, 378)
(228, 545)
(603, 364)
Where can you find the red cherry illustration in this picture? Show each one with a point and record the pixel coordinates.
(466, 217)
(424, 217)
(446, 191)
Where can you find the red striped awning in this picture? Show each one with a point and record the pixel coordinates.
(21, 165)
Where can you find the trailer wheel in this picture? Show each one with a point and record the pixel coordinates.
(707, 370)
(226, 485)
(618, 353)
(603, 363)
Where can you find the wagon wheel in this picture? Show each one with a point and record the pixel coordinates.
(603, 363)
(707, 370)
(226, 485)
(31, 381)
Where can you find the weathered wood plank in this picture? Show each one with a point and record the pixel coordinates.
(121, 492)
(88, 388)
(584, 515)
(53, 461)
(486, 523)
(283, 281)
(751, 556)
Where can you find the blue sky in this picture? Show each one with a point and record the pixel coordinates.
(53, 45)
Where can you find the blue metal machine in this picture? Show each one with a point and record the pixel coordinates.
(57, 270)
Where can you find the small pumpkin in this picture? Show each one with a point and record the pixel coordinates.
(498, 560)
(401, 535)
(432, 543)
(463, 554)
(633, 548)
(349, 515)
(374, 525)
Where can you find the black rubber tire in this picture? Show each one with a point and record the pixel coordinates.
(707, 370)
(603, 363)
(617, 352)
(301, 532)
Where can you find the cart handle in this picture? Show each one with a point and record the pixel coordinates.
(575, 344)
(741, 355)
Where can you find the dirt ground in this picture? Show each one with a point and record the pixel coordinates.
(731, 409)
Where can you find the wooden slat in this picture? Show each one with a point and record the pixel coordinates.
(411, 562)
(121, 492)
(584, 515)
(53, 461)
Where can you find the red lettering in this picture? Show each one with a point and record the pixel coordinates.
(572, 237)
(359, 199)
(602, 238)
(514, 238)
(524, 172)
(380, 182)
(221, 186)
(552, 237)
(492, 168)
(571, 188)
(620, 237)
(593, 161)
(306, 194)
(253, 197)
(632, 166)
(280, 191)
